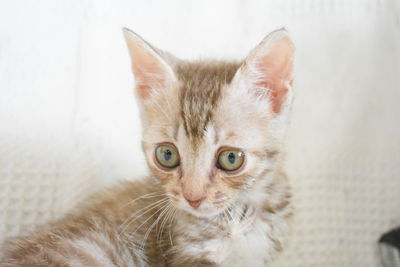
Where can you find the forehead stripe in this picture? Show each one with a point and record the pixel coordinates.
(200, 92)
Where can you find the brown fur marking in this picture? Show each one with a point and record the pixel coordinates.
(201, 86)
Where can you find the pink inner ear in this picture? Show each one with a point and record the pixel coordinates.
(148, 71)
(277, 69)
(148, 76)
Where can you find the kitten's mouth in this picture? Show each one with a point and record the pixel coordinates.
(204, 210)
(205, 214)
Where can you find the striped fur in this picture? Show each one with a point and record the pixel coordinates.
(201, 108)
(201, 85)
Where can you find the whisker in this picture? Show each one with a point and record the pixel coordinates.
(170, 226)
(150, 195)
(142, 211)
(163, 205)
(164, 208)
(163, 223)
(159, 226)
(148, 206)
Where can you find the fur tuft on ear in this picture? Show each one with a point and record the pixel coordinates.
(151, 70)
(270, 66)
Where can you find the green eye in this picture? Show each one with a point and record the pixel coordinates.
(167, 156)
(230, 160)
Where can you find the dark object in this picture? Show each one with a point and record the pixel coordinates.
(389, 248)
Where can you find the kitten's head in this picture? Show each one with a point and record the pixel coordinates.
(212, 131)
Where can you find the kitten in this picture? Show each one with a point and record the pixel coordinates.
(213, 136)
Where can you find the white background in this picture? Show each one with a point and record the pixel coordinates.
(69, 122)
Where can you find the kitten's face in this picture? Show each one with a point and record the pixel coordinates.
(212, 130)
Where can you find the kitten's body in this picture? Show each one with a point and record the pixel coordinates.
(235, 218)
(103, 233)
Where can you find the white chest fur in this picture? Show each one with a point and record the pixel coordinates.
(241, 242)
(247, 245)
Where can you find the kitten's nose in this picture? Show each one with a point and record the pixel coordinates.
(194, 203)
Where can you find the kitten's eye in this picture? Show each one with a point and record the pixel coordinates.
(167, 155)
(230, 160)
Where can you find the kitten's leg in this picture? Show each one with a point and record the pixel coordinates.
(91, 249)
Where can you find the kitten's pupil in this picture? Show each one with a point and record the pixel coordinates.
(231, 157)
(167, 154)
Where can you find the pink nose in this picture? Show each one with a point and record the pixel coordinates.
(194, 203)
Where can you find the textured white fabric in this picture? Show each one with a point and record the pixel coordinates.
(69, 123)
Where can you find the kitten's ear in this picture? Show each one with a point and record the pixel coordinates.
(269, 66)
(149, 65)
